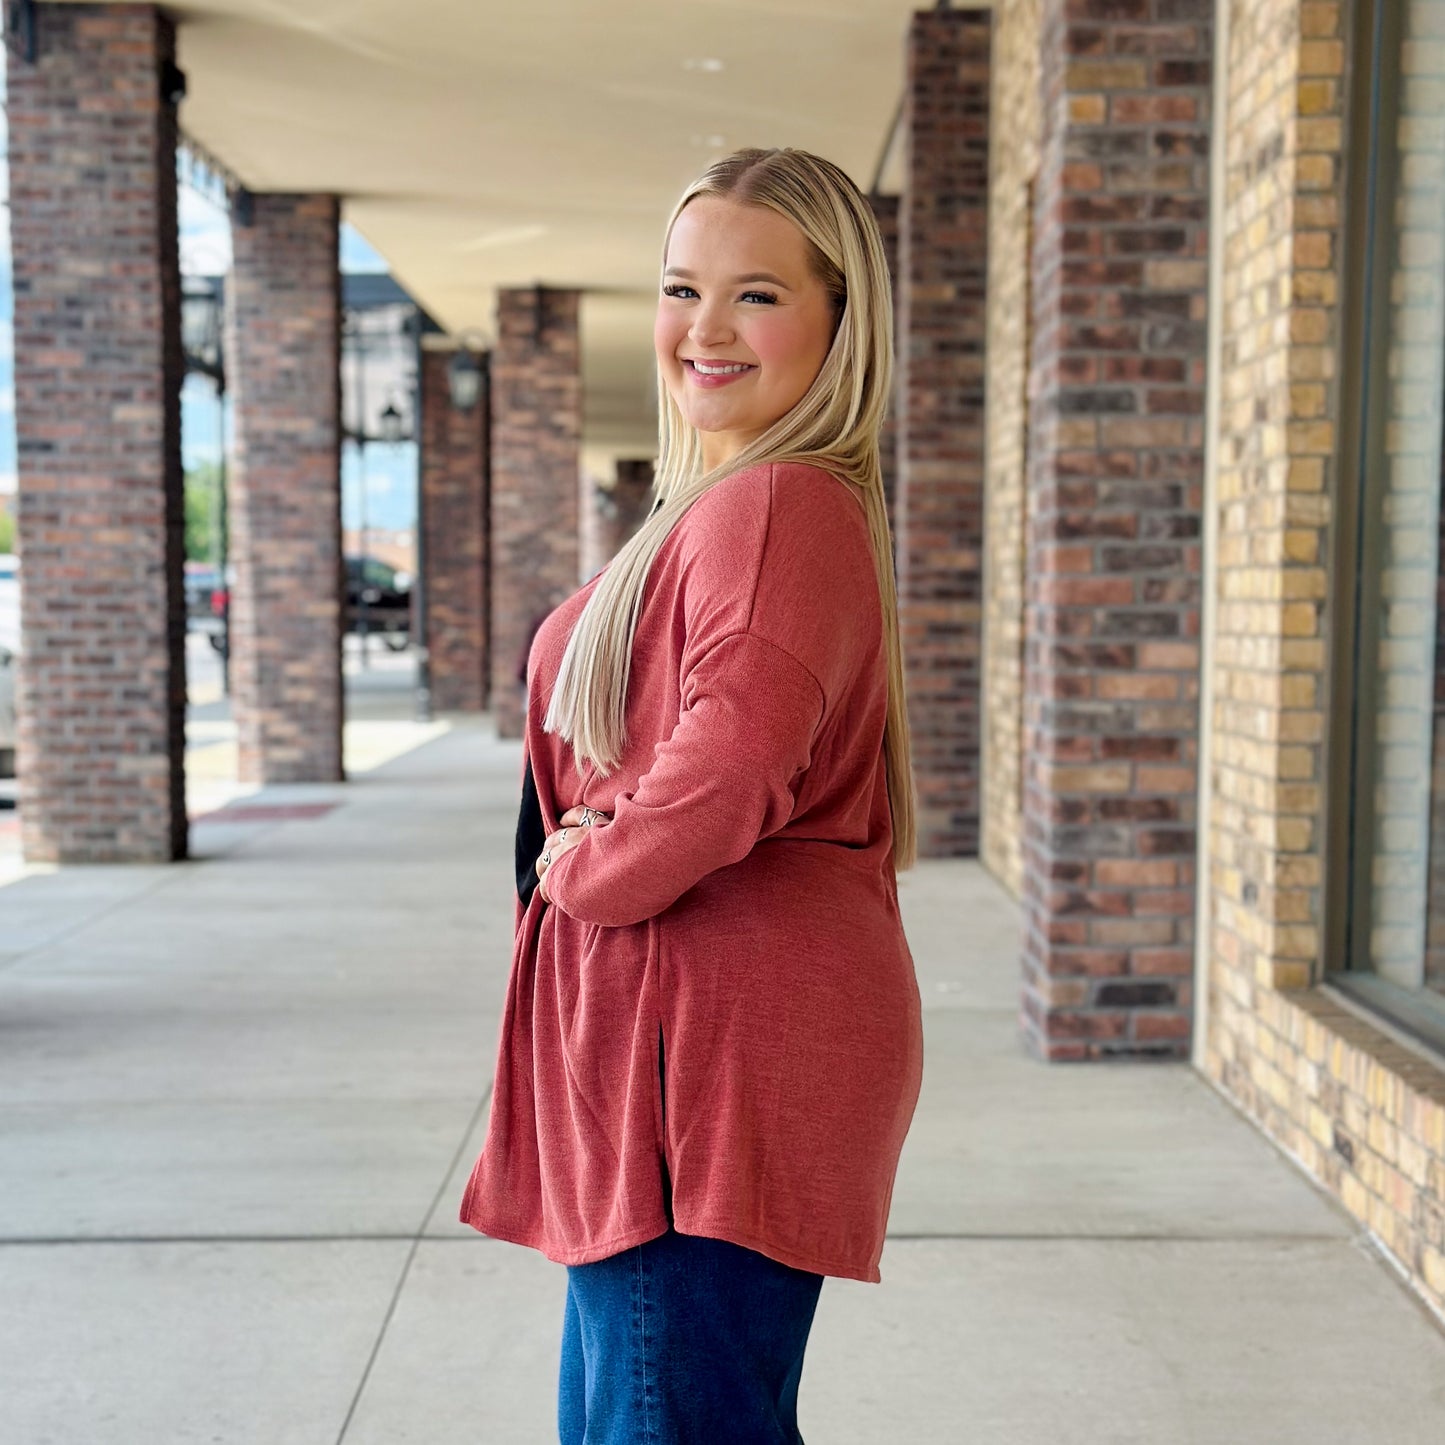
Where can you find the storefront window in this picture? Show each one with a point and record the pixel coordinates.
(1395, 953)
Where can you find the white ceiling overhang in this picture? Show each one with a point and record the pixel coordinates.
(483, 145)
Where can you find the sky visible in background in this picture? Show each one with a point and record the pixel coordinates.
(205, 243)
(390, 471)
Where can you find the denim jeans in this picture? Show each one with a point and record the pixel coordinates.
(684, 1340)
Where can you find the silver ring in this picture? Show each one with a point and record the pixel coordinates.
(546, 857)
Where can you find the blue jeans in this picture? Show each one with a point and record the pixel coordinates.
(684, 1340)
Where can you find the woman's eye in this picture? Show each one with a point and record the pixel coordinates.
(675, 290)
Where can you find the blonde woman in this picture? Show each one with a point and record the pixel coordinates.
(711, 1046)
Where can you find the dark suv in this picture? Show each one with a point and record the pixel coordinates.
(378, 603)
(378, 600)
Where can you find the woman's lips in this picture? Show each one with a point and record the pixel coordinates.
(720, 379)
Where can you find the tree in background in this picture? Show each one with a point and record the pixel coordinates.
(7, 531)
(203, 482)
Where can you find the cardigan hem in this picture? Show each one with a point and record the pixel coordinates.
(865, 1274)
(587, 1254)
(590, 1254)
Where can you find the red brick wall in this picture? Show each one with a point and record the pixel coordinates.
(454, 466)
(283, 359)
(942, 265)
(1114, 502)
(885, 212)
(536, 436)
(101, 698)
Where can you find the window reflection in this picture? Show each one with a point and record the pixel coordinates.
(1398, 933)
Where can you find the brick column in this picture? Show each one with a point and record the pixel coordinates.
(1114, 480)
(885, 212)
(942, 244)
(536, 434)
(612, 514)
(1015, 114)
(102, 689)
(454, 466)
(284, 351)
(632, 498)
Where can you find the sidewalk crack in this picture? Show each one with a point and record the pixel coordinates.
(405, 1271)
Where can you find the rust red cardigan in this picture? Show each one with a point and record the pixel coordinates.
(740, 908)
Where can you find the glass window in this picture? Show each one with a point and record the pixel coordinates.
(1395, 930)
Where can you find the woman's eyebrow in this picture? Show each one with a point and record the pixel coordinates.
(737, 280)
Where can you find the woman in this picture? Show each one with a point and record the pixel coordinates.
(711, 1046)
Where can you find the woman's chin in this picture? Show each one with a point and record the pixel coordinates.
(709, 419)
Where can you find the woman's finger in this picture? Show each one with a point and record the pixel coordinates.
(555, 844)
(573, 817)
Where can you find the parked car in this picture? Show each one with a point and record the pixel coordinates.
(378, 603)
(9, 657)
(378, 600)
(8, 663)
(202, 580)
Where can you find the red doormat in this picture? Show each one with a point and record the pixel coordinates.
(265, 813)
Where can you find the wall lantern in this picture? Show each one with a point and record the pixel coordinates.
(201, 324)
(464, 374)
(391, 424)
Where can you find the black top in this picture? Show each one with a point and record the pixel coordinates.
(530, 837)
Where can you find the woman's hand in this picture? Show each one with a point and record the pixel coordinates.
(573, 826)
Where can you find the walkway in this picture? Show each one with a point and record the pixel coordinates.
(239, 1097)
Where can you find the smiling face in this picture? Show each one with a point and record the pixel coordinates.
(737, 291)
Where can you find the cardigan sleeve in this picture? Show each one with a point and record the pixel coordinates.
(718, 784)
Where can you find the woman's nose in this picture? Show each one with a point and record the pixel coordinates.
(710, 325)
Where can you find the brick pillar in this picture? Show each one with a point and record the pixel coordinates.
(284, 353)
(536, 435)
(102, 687)
(942, 241)
(454, 466)
(612, 514)
(1115, 473)
(1015, 114)
(885, 212)
(632, 498)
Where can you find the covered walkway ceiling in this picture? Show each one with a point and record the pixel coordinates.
(481, 144)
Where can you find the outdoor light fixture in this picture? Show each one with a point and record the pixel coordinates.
(20, 30)
(464, 374)
(391, 423)
(173, 83)
(201, 324)
(464, 380)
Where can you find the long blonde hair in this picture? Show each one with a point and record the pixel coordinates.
(834, 425)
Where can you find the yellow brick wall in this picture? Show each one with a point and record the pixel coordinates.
(1360, 1112)
(1014, 126)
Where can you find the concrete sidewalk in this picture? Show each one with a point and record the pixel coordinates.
(241, 1094)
